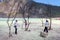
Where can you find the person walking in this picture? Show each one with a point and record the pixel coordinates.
(46, 26)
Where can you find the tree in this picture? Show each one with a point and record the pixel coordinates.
(48, 14)
(42, 12)
(25, 12)
(14, 16)
(9, 25)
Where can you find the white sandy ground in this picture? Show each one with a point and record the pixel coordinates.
(35, 28)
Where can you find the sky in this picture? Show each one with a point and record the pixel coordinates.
(51, 2)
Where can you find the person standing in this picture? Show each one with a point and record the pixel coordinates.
(15, 26)
(46, 26)
(26, 26)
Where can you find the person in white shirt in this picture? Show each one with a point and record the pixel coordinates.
(46, 26)
(15, 26)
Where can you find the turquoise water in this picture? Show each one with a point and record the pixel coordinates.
(5, 19)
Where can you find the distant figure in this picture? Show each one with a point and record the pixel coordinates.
(46, 26)
(15, 26)
(25, 25)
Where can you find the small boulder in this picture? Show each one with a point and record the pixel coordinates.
(43, 34)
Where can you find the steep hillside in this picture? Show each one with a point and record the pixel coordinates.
(33, 9)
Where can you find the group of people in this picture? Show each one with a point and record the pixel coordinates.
(16, 25)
